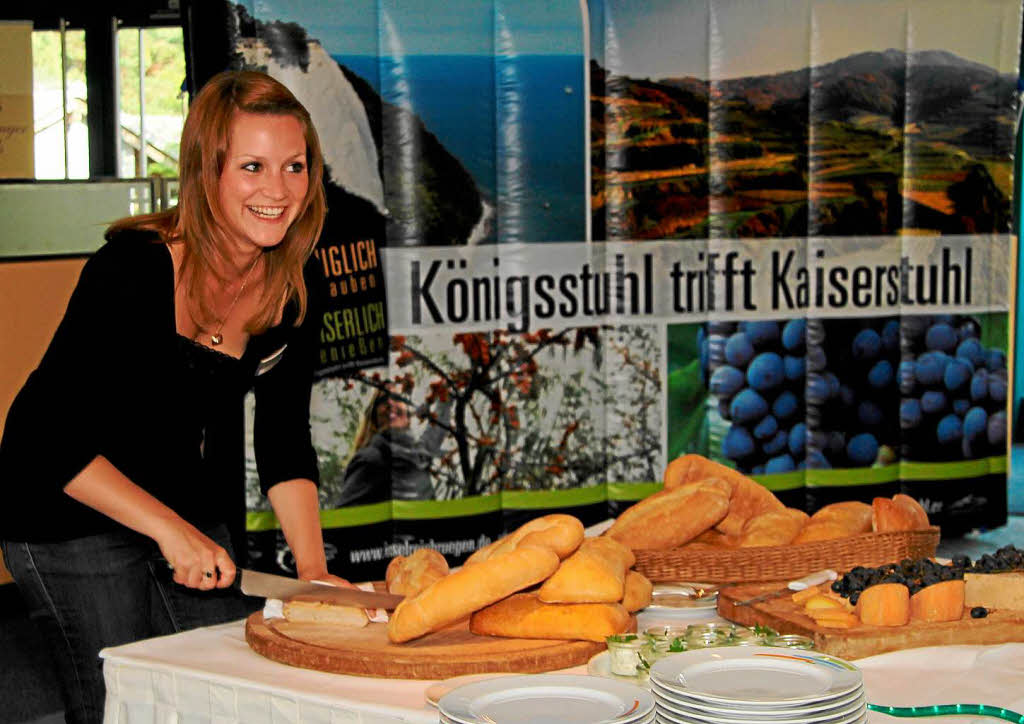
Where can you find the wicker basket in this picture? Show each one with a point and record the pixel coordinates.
(777, 563)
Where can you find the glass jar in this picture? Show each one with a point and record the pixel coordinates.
(628, 655)
(743, 636)
(791, 641)
(665, 639)
(708, 635)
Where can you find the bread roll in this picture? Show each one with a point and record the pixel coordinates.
(822, 530)
(525, 616)
(698, 546)
(671, 518)
(712, 538)
(886, 516)
(914, 509)
(559, 532)
(748, 498)
(837, 520)
(638, 593)
(469, 589)
(311, 608)
(774, 528)
(408, 575)
(595, 573)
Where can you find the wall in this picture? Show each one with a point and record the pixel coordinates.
(33, 295)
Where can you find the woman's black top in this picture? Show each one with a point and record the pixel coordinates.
(118, 380)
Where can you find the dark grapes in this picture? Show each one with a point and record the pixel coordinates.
(952, 389)
(755, 375)
(824, 393)
(738, 350)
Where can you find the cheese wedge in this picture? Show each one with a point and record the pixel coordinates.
(995, 590)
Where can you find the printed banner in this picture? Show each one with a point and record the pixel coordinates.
(775, 233)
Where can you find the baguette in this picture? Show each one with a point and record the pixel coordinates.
(748, 498)
(773, 528)
(716, 539)
(408, 575)
(837, 520)
(638, 592)
(670, 518)
(311, 608)
(595, 573)
(559, 532)
(526, 616)
(469, 589)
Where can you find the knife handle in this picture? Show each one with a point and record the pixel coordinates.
(812, 579)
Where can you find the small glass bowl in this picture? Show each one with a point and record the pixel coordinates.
(666, 639)
(791, 641)
(744, 636)
(708, 635)
(628, 655)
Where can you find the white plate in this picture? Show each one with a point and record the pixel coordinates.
(601, 665)
(668, 717)
(757, 676)
(435, 691)
(849, 712)
(649, 719)
(547, 699)
(741, 710)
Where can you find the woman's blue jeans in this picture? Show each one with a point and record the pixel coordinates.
(105, 590)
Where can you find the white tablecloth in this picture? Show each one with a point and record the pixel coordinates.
(211, 676)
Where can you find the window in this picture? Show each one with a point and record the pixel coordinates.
(59, 102)
(153, 100)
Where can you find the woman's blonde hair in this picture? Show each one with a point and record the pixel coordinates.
(197, 220)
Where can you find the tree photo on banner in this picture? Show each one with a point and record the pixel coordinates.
(570, 241)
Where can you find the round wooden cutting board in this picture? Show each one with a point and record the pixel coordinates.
(366, 651)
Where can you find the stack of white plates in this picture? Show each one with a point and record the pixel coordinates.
(757, 685)
(547, 699)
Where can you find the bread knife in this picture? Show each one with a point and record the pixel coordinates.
(811, 579)
(267, 585)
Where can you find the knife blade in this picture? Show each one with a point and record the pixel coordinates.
(811, 579)
(267, 585)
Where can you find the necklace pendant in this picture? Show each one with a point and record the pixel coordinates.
(216, 339)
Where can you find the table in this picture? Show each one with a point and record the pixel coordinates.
(211, 676)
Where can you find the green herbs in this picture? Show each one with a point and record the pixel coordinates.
(620, 638)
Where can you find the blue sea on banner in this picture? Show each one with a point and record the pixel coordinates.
(456, 98)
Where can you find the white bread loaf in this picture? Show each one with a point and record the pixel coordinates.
(469, 589)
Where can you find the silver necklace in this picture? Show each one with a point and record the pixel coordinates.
(216, 338)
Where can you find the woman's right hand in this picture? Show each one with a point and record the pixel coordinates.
(197, 561)
(190, 554)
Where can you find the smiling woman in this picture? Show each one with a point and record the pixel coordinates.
(124, 507)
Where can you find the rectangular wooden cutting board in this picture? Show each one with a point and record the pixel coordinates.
(785, 616)
(366, 651)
